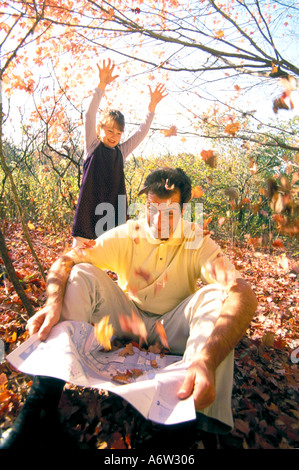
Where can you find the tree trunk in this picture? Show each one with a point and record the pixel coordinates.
(13, 276)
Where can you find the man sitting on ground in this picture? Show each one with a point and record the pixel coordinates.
(158, 260)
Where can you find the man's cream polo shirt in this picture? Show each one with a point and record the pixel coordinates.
(156, 274)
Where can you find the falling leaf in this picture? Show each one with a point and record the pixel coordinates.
(103, 332)
(172, 131)
(279, 103)
(209, 157)
(162, 334)
(88, 244)
(133, 325)
(232, 128)
(289, 84)
(167, 185)
(140, 272)
(197, 192)
(160, 285)
(31, 226)
(206, 222)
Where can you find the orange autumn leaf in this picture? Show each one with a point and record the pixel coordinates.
(109, 14)
(172, 131)
(232, 128)
(245, 201)
(88, 244)
(277, 243)
(197, 192)
(206, 222)
(206, 154)
(162, 334)
(209, 157)
(219, 34)
(127, 351)
(103, 332)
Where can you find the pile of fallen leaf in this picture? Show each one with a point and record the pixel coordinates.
(265, 392)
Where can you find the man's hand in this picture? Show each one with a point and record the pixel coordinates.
(43, 321)
(106, 73)
(156, 96)
(199, 382)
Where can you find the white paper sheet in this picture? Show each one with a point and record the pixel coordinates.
(72, 353)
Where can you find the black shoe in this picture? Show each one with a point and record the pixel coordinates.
(38, 423)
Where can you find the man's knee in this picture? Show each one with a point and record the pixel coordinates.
(82, 270)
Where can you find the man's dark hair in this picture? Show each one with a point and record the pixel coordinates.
(164, 182)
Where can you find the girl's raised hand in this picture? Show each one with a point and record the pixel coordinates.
(156, 96)
(106, 73)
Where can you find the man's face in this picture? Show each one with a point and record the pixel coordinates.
(163, 215)
(110, 135)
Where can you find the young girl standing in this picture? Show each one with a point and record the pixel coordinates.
(103, 178)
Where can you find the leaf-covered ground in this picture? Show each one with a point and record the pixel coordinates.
(265, 392)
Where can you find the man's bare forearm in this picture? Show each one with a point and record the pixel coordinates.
(57, 279)
(231, 325)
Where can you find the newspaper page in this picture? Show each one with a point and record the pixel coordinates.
(148, 381)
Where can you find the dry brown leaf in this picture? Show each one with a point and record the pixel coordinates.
(127, 351)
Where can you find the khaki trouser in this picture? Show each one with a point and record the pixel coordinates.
(91, 294)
